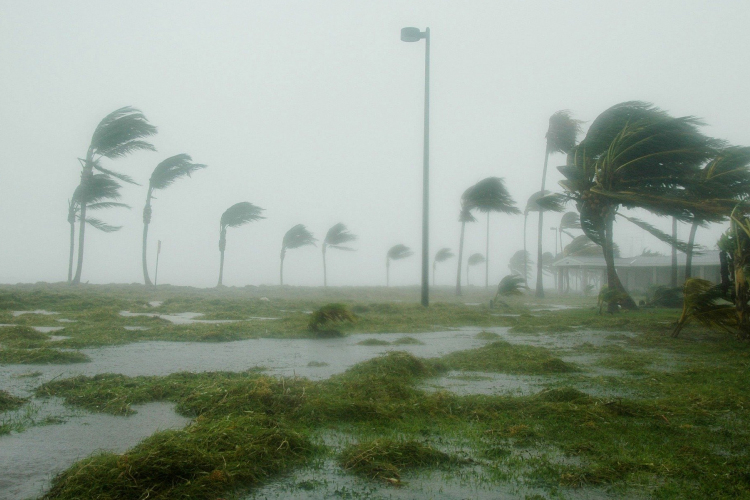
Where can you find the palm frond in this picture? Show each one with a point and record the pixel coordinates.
(532, 204)
(490, 195)
(116, 175)
(444, 254)
(398, 252)
(476, 258)
(102, 226)
(337, 236)
(554, 202)
(120, 133)
(96, 188)
(298, 236)
(171, 169)
(512, 284)
(570, 220)
(239, 214)
(516, 263)
(562, 132)
(680, 245)
(106, 204)
(704, 302)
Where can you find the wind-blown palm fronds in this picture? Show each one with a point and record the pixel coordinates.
(396, 252)
(490, 195)
(464, 216)
(163, 176)
(441, 256)
(235, 216)
(636, 155)
(569, 220)
(518, 263)
(510, 285)
(336, 237)
(474, 260)
(117, 135)
(561, 137)
(297, 237)
(705, 303)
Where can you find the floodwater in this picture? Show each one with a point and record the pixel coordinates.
(30, 459)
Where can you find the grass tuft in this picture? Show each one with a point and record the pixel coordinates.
(40, 356)
(9, 401)
(505, 357)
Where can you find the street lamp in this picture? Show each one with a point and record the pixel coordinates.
(414, 35)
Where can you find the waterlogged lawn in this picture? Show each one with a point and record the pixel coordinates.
(621, 410)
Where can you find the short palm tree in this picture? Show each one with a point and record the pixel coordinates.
(396, 252)
(490, 195)
(637, 156)
(296, 237)
(474, 260)
(441, 256)
(235, 216)
(518, 264)
(569, 221)
(562, 134)
(99, 193)
(336, 237)
(117, 135)
(163, 176)
(464, 216)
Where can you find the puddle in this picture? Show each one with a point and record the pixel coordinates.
(136, 328)
(57, 338)
(48, 329)
(260, 318)
(63, 320)
(30, 459)
(156, 303)
(38, 311)
(186, 318)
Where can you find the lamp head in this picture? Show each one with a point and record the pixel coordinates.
(411, 35)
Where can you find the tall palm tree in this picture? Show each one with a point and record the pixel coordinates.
(463, 217)
(518, 264)
(474, 260)
(636, 155)
(532, 205)
(100, 192)
(562, 134)
(237, 215)
(396, 252)
(336, 237)
(490, 195)
(569, 220)
(297, 237)
(163, 176)
(117, 135)
(441, 256)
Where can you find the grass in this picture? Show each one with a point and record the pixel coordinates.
(40, 356)
(504, 357)
(10, 402)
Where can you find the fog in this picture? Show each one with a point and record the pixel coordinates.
(313, 111)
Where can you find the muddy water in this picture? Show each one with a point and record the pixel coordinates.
(29, 460)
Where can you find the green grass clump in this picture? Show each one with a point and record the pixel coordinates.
(329, 318)
(486, 336)
(387, 458)
(204, 460)
(373, 342)
(22, 337)
(407, 341)
(504, 357)
(41, 356)
(9, 401)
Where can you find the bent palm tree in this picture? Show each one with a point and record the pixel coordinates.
(561, 138)
(235, 216)
(117, 135)
(517, 264)
(99, 193)
(490, 195)
(163, 176)
(396, 252)
(474, 260)
(296, 237)
(441, 256)
(463, 217)
(336, 237)
(636, 155)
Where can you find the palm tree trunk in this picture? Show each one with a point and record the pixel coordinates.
(673, 277)
(387, 272)
(487, 255)
(281, 268)
(81, 235)
(689, 253)
(613, 280)
(325, 278)
(460, 258)
(146, 222)
(72, 221)
(525, 254)
(434, 266)
(539, 275)
(222, 247)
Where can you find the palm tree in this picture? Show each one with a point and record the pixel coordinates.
(474, 259)
(518, 264)
(636, 155)
(441, 256)
(396, 252)
(99, 193)
(490, 195)
(117, 135)
(336, 237)
(464, 216)
(296, 237)
(569, 220)
(531, 206)
(237, 215)
(561, 138)
(163, 176)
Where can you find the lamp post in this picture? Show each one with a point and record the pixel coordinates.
(414, 35)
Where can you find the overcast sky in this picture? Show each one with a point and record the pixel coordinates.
(313, 111)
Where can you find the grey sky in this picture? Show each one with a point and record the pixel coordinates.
(313, 111)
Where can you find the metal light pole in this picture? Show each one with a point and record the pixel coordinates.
(414, 35)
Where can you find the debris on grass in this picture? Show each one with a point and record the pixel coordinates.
(326, 320)
(9, 401)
